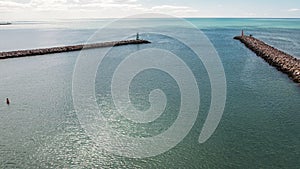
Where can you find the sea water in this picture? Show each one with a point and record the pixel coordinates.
(41, 129)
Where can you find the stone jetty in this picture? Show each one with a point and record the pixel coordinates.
(279, 59)
(43, 51)
(5, 23)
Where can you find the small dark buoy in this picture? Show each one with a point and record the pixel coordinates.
(7, 101)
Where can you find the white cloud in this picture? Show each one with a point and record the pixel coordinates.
(85, 8)
(11, 5)
(294, 10)
(66, 4)
(175, 10)
(165, 8)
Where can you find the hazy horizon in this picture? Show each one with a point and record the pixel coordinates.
(89, 18)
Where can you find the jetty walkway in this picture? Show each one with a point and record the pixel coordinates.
(43, 51)
(279, 59)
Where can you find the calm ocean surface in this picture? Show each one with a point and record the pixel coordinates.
(260, 127)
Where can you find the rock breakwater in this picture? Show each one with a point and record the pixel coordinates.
(43, 51)
(279, 59)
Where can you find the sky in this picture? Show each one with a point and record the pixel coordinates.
(11, 10)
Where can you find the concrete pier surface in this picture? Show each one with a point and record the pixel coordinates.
(43, 51)
(279, 59)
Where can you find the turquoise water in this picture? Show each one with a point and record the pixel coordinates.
(40, 128)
